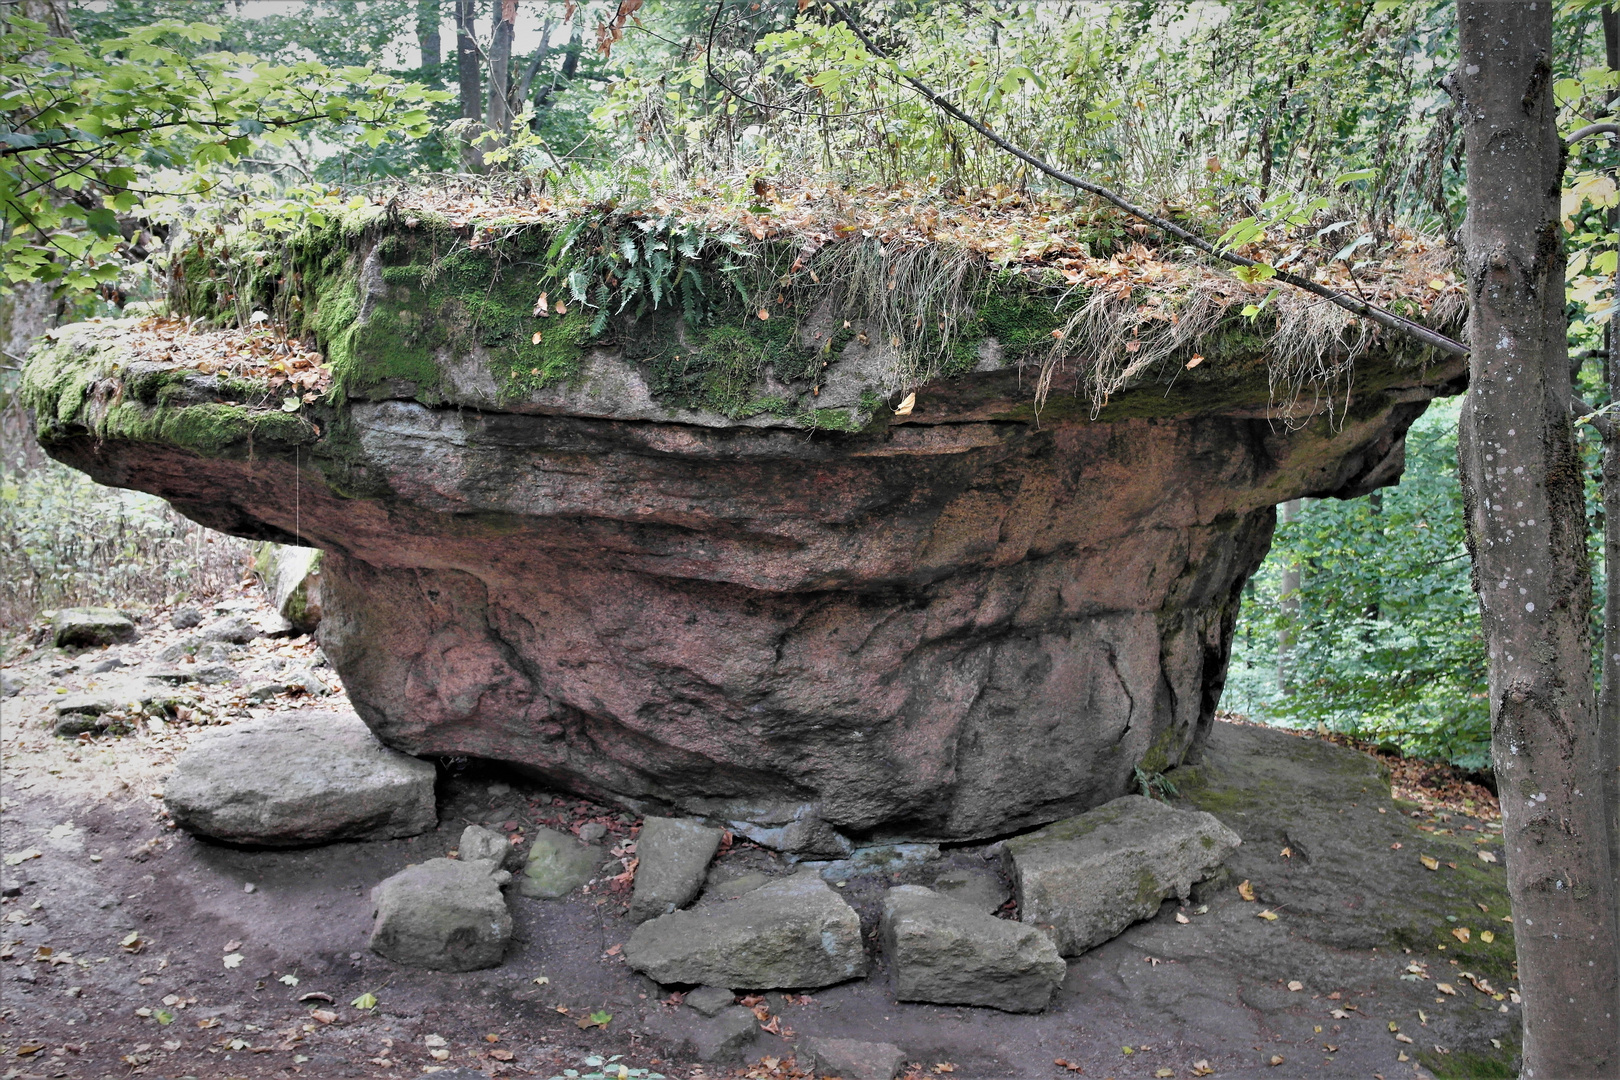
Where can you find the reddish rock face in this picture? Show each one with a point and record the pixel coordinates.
(941, 630)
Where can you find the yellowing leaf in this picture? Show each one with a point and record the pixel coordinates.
(1268, 915)
(1246, 890)
(1201, 1067)
(1430, 861)
(1487, 936)
(1446, 988)
(1460, 933)
(906, 405)
(536, 337)
(367, 1000)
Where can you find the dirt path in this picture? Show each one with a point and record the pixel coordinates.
(115, 956)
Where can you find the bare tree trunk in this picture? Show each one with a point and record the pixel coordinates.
(53, 13)
(1609, 697)
(1522, 491)
(498, 119)
(1288, 602)
(469, 64)
(427, 34)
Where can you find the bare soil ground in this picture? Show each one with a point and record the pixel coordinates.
(116, 953)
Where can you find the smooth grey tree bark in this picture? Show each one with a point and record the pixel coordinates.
(1525, 507)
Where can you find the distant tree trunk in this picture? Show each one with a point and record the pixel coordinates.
(427, 34)
(53, 13)
(469, 64)
(1288, 602)
(1526, 520)
(499, 116)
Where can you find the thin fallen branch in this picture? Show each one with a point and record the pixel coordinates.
(1432, 338)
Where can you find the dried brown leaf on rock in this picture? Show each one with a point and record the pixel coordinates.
(1246, 890)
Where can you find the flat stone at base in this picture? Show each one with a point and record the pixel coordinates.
(794, 933)
(444, 915)
(1086, 878)
(722, 1038)
(949, 953)
(304, 777)
(709, 1000)
(90, 626)
(557, 865)
(674, 857)
(478, 843)
(850, 1059)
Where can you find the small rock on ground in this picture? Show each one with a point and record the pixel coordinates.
(74, 627)
(478, 843)
(709, 1000)
(557, 865)
(444, 915)
(304, 777)
(184, 618)
(851, 1059)
(236, 629)
(1091, 876)
(796, 932)
(946, 952)
(674, 857)
(723, 1038)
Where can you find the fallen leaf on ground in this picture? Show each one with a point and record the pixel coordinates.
(1446, 988)
(1180, 918)
(290, 980)
(1295, 985)
(367, 1000)
(905, 407)
(1487, 936)
(1268, 915)
(540, 980)
(233, 960)
(1461, 933)
(501, 1055)
(945, 1067)
(1201, 1068)
(324, 1016)
(1276, 1059)
(23, 856)
(1246, 890)
(1403, 1038)
(231, 946)
(1070, 1065)
(1164, 1074)
(435, 1041)
(1430, 861)
(1486, 856)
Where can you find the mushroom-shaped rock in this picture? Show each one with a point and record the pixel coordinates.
(705, 566)
(949, 953)
(303, 777)
(672, 862)
(444, 915)
(793, 933)
(1086, 878)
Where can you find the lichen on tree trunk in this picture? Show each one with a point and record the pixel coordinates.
(1522, 486)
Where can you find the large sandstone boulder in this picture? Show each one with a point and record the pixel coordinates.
(796, 933)
(949, 953)
(304, 777)
(712, 569)
(1085, 879)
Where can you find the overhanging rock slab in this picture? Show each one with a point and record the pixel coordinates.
(707, 567)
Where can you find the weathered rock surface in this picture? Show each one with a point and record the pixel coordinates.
(1085, 879)
(185, 617)
(557, 865)
(445, 915)
(478, 843)
(303, 777)
(954, 624)
(981, 890)
(946, 952)
(721, 1037)
(672, 862)
(851, 1059)
(793, 933)
(119, 692)
(292, 575)
(709, 1000)
(79, 627)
